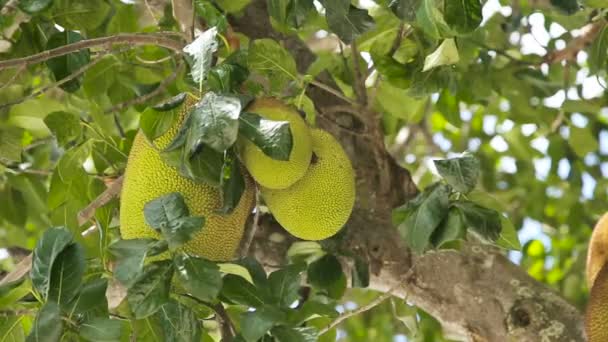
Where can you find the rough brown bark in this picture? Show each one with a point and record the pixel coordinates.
(475, 293)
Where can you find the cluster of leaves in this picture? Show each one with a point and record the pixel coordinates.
(171, 293)
(444, 213)
(434, 68)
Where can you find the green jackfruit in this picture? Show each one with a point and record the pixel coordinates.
(272, 173)
(318, 205)
(148, 177)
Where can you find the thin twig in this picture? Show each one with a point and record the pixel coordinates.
(159, 39)
(359, 82)
(59, 83)
(141, 99)
(112, 191)
(227, 327)
(18, 73)
(590, 32)
(386, 295)
(248, 239)
(332, 91)
(157, 61)
(151, 12)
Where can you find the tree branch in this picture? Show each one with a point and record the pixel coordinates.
(159, 39)
(589, 33)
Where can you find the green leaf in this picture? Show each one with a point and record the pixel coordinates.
(598, 54)
(346, 21)
(448, 105)
(461, 173)
(34, 6)
(256, 271)
(102, 330)
(155, 123)
(204, 166)
(179, 323)
(10, 144)
(170, 215)
(452, 228)
(284, 284)
(91, 298)
(226, 77)
(130, 255)
(64, 66)
(240, 291)
(233, 183)
(284, 333)
(508, 235)
(200, 277)
(66, 275)
(274, 138)
(64, 126)
(70, 164)
(290, 13)
(423, 215)
(324, 272)
(211, 15)
(269, 58)
(47, 250)
(12, 206)
(214, 122)
(150, 290)
(404, 9)
(80, 15)
(11, 292)
(311, 309)
(567, 6)
(255, 324)
(430, 19)
(463, 16)
(232, 6)
(482, 222)
(582, 141)
(446, 54)
(201, 52)
(48, 325)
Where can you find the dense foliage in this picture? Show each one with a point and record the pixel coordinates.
(497, 108)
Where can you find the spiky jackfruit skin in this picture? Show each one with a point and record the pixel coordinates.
(597, 253)
(147, 177)
(317, 206)
(272, 173)
(596, 317)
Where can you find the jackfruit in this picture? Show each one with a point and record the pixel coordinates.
(597, 254)
(596, 271)
(596, 316)
(318, 205)
(273, 173)
(147, 177)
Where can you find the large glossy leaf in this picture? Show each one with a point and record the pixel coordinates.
(461, 173)
(198, 276)
(170, 215)
(463, 16)
(179, 323)
(66, 275)
(150, 291)
(255, 324)
(285, 283)
(274, 138)
(64, 66)
(48, 325)
(47, 250)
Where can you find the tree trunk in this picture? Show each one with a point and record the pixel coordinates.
(476, 293)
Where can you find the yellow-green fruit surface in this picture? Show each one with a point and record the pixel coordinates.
(272, 173)
(596, 317)
(147, 177)
(597, 254)
(318, 205)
